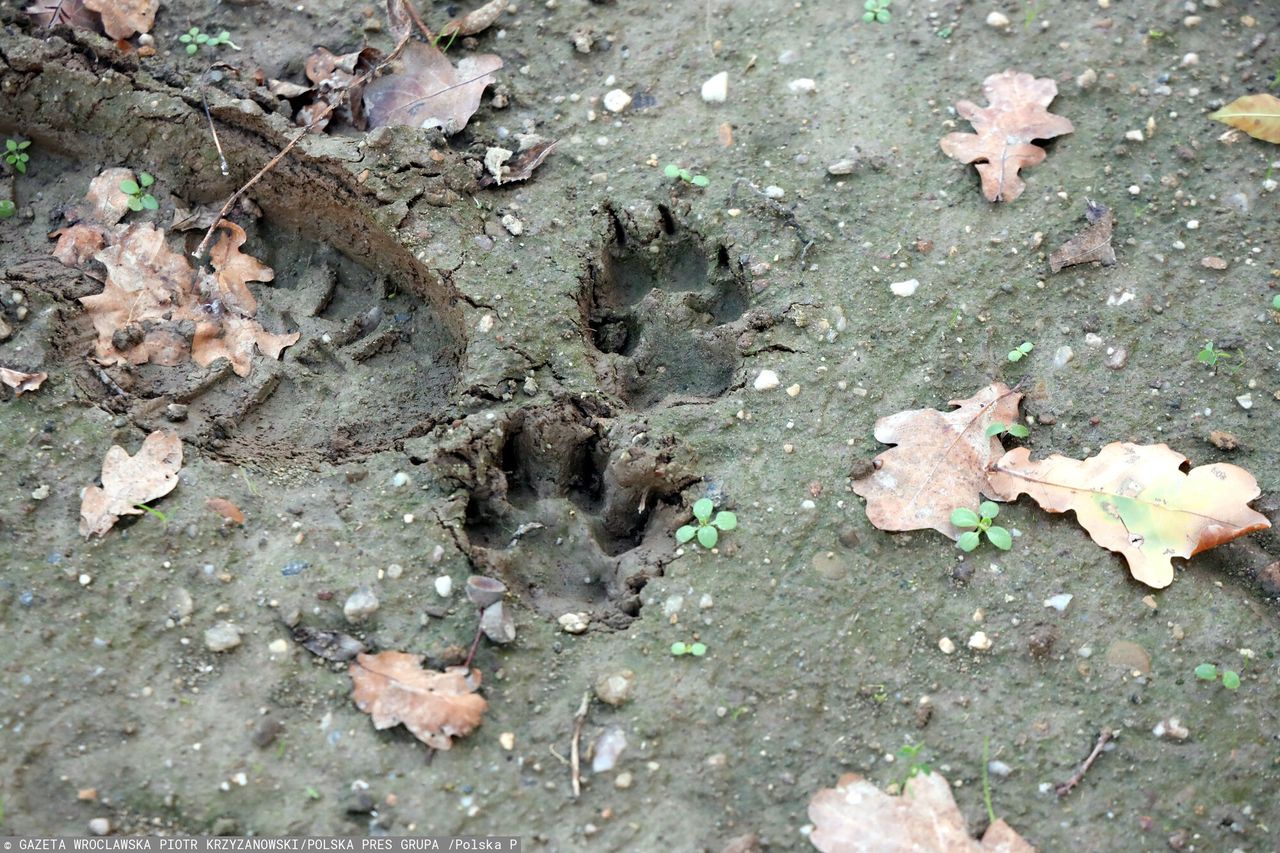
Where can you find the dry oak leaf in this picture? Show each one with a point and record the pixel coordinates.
(131, 480)
(226, 509)
(1091, 244)
(21, 382)
(71, 13)
(1002, 145)
(122, 18)
(940, 462)
(1136, 500)
(428, 91)
(94, 221)
(857, 817)
(1256, 115)
(393, 688)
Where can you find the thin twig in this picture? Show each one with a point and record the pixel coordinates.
(1065, 788)
(222, 158)
(574, 751)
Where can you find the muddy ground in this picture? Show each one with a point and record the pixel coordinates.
(594, 375)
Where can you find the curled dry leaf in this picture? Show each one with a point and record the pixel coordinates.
(475, 21)
(940, 462)
(70, 13)
(1002, 145)
(1136, 500)
(332, 73)
(521, 166)
(857, 817)
(393, 688)
(428, 91)
(21, 382)
(1091, 244)
(1256, 115)
(226, 509)
(131, 480)
(94, 220)
(121, 19)
(330, 645)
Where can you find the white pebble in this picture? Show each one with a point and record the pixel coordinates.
(444, 586)
(99, 826)
(278, 647)
(774, 192)
(1058, 602)
(946, 645)
(513, 225)
(573, 623)
(360, 604)
(793, 390)
(999, 768)
(802, 86)
(1193, 224)
(1063, 355)
(1245, 401)
(997, 20)
(616, 100)
(1190, 59)
(1087, 78)
(706, 602)
(1171, 728)
(400, 479)
(979, 641)
(1134, 136)
(904, 288)
(222, 637)
(1134, 189)
(767, 380)
(715, 90)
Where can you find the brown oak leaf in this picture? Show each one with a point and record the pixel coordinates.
(1136, 500)
(71, 13)
(857, 817)
(1002, 145)
(940, 463)
(393, 688)
(122, 18)
(21, 382)
(93, 221)
(1091, 244)
(428, 91)
(226, 509)
(131, 480)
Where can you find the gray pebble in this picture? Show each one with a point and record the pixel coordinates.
(360, 605)
(222, 637)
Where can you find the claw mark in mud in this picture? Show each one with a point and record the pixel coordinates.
(375, 364)
(565, 505)
(665, 314)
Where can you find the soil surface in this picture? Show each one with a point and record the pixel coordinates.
(535, 380)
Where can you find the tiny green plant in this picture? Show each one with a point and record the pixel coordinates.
(1023, 350)
(139, 198)
(1229, 677)
(15, 154)
(194, 40)
(312, 793)
(908, 752)
(986, 779)
(1000, 428)
(980, 521)
(674, 171)
(707, 529)
(150, 510)
(877, 11)
(1275, 302)
(7, 208)
(682, 649)
(1210, 356)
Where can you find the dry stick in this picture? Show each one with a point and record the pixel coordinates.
(222, 158)
(1065, 788)
(324, 113)
(578, 719)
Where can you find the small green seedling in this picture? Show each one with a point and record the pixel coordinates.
(1000, 428)
(139, 198)
(1024, 349)
(981, 522)
(907, 752)
(7, 208)
(1209, 672)
(877, 10)
(150, 510)
(194, 40)
(312, 793)
(1211, 356)
(682, 649)
(15, 154)
(674, 171)
(707, 529)
(1275, 302)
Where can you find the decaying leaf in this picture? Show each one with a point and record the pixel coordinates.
(226, 509)
(475, 21)
(428, 91)
(857, 817)
(21, 382)
(940, 462)
(332, 73)
(93, 221)
(121, 19)
(1136, 500)
(521, 166)
(1002, 145)
(131, 480)
(71, 13)
(330, 645)
(1091, 244)
(393, 688)
(1256, 115)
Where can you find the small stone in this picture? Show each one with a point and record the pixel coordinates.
(1062, 356)
(574, 623)
(278, 647)
(616, 688)
(774, 192)
(979, 641)
(1245, 401)
(1134, 136)
(616, 100)
(1190, 59)
(842, 167)
(1129, 655)
(360, 604)
(802, 86)
(99, 826)
(400, 479)
(513, 225)
(997, 20)
(608, 749)
(1191, 21)
(87, 795)
(1223, 440)
(1059, 602)
(1172, 729)
(507, 740)
(1041, 642)
(1087, 78)
(175, 412)
(498, 624)
(623, 780)
(1117, 358)
(904, 288)
(394, 571)
(444, 586)
(946, 645)
(706, 602)
(222, 637)
(716, 89)
(766, 380)
(793, 390)
(1193, 224)
(999, 768)
(41, 491)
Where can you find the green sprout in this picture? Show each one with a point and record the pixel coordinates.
(312, 793)
(707, 529)
(1275, 302)
(152, 511)
(907, 752)
(674, 171)
(136, 190)
(1211, 356)
(1000, 428)
(986, 780)
(194, 40)
(981, 522)
(7, 208)
(877, 11)
(1022, 351)
(15, 154)
(1209, 672)
(682, 649)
